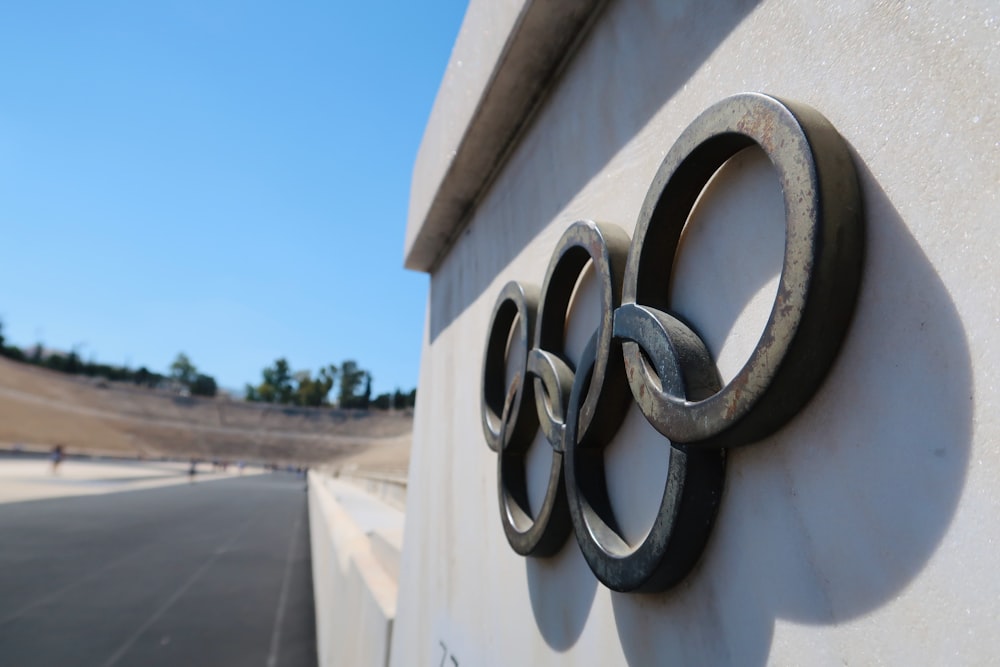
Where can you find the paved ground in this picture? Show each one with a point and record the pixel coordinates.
(212, 573)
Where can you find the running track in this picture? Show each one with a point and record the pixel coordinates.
(214, 573)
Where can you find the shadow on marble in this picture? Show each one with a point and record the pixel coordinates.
(836, 514)
(562, 592)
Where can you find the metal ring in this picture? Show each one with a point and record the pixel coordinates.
(516, 303)
(690, 498)
(819, 278)
(544, 534)
(516, 429)
(607, 247)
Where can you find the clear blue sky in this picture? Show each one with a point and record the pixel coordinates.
(225, 178)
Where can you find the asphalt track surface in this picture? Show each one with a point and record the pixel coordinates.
(213, 573)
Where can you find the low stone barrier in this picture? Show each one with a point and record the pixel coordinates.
(356, 541)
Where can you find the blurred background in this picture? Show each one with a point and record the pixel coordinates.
(207, 201)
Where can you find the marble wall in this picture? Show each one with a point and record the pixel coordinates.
(866, 529)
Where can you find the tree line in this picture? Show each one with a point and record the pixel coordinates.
(279, 384)
(354, 387)
(182, 372)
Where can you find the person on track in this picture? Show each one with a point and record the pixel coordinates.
(57, 457)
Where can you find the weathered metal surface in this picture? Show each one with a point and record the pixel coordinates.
(607, 247)
(516, 303)
(819, 278)
(690, 498)
(638, 343)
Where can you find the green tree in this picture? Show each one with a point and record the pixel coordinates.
(56, 362)
(366, 398)
(203, 385)
(277, 385)
(144, 377)
(351, 377)
(11, 352)
(183, 370)
(314, 392)
(73, 363)
(396, 400)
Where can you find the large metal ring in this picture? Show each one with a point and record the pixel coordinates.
(690, 498)
(819, 278)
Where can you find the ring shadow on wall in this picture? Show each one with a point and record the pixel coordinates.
(839, 511)
(562, 591)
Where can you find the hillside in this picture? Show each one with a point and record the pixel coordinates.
(42, 408)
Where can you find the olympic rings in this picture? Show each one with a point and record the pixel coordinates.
(671, 374)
